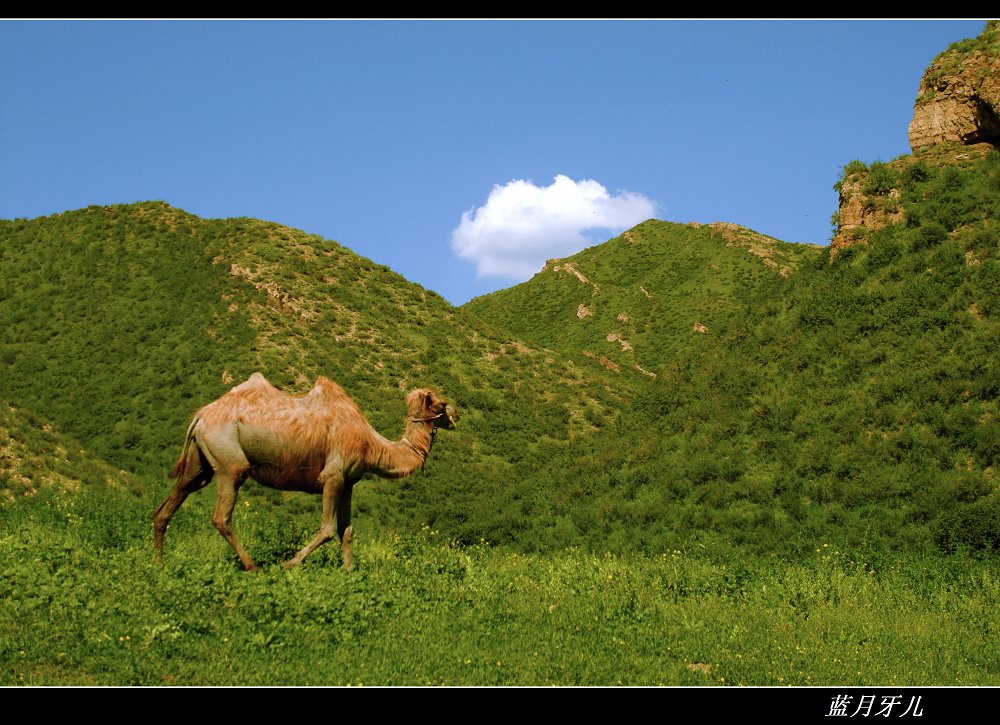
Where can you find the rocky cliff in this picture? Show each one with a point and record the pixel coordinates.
(959, 96)
(958, 103)
(862, 209)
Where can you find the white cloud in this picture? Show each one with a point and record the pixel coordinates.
(521, 225)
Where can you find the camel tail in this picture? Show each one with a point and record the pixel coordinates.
(189, 455)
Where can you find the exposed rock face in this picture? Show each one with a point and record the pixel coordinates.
(570, 268)
(860, 211)
(959, 96)
(958, 103)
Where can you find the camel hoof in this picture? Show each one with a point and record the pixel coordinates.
(252, 567)
(289, 565)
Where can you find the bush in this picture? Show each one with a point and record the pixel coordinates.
(916, 173)
(974, 526)
(928, 235)
(881, 180)
(851, 168)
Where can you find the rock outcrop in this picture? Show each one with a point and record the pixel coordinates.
(861, 212)
(958, 103)
(959, 96)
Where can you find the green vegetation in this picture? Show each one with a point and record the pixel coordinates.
(85, 605)
(972, 57)
(880, 180)
(854, 401)
(802, 490)
(986, 42)
(852, 168)
(637, 299)
(33, 456)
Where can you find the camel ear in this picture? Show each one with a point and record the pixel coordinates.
(428, 400)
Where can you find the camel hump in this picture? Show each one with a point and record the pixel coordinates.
(326, 388)
(327, 396)
(258, 379)
(255, 381)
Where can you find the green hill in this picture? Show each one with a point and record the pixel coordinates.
(847, 396)
(638, 300)
(34, 456)
(117, 322)
(853, 401)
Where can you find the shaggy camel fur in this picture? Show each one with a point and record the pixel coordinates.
(319, 443)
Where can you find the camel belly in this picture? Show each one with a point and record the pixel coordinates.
(278, 463)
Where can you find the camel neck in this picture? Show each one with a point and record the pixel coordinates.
(395, 459)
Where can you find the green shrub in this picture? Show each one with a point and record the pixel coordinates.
(928, 235)
(881, 180)
(916, 173)
(974, 526)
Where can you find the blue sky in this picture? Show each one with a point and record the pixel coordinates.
(401, 139)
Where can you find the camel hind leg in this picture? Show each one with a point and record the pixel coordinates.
(344, 528)
(187, 483)
(221, 448)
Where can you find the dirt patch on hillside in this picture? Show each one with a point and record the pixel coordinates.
(615, 337)
(644, 371)
(759, 245)
(277, 298)
(609, 364)
(570, 268)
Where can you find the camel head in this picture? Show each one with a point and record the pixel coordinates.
(425, 405)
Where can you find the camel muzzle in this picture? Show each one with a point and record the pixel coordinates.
(451, 417)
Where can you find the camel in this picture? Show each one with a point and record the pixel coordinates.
(319, 443)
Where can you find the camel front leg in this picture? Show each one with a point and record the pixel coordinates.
(222, 515)
(333, 486)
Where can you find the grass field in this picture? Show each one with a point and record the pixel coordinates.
(85, 604)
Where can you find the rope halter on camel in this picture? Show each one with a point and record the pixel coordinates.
(423, 454)
(448, 414)
(429, 419)
(424, 420)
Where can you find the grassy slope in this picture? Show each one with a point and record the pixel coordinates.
(857, 400)
(116, 323)
(852, 401)
(34, 456)
(636, 299)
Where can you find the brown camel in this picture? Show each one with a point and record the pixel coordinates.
(319, 442)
